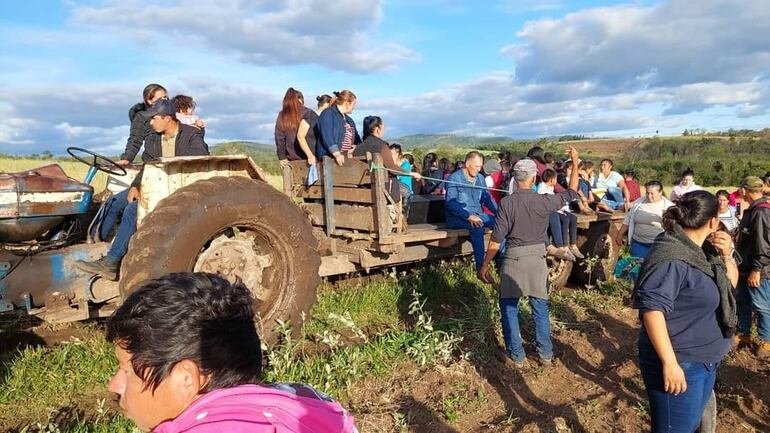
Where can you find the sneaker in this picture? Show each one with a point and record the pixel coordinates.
(576, 252)
(763, 351)
(103, 267)
(546, 362)
(564, 254)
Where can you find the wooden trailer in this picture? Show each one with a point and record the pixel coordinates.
(360, 227)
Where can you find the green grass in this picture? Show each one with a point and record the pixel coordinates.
(429, 315)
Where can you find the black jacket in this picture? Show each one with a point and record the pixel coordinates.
(141, 133)
(754, 238)
(189, 142)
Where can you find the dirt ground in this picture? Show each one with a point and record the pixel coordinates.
(594, 386)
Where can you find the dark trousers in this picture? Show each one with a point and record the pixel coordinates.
(115, 207)
(563, 227)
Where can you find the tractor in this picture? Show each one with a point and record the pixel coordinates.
(218, 214)
(208, 214)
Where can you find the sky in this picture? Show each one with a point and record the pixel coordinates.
(70, 70)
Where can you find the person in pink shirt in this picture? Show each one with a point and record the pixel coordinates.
(189, 360)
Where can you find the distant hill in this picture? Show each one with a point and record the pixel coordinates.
(247, 147)
(421, 141)
(262, 154)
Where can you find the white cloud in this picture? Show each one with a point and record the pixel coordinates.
(332, 33)
(629, 47)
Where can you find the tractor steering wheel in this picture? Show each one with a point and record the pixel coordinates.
(95, 163)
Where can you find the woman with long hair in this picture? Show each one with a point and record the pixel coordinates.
(337, 133)
(286, 143)
(306, 135)
(684, 294)
(726, 212)
(141, 132)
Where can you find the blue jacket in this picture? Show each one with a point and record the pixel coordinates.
(331, 131)
(462, 202)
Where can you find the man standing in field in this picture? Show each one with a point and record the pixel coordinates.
(522, 223)
(753, 245)
(466, 191)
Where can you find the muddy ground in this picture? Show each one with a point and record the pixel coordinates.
(594, 386)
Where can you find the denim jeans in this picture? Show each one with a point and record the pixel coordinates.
(509, 316)
(639, 249)
(752, 300)
(613, 197)
(555, 228)
(476, 234)
(115, 207)
(125, 231)
(678, 413)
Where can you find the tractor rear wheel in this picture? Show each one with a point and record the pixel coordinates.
(236, 227)
(596, 243)
(559, 271)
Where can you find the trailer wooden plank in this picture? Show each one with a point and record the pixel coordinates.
(355, 172)
(346, 216)
(380, 202)
(354, 195)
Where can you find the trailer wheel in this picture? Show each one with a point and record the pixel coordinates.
(597, 241)
(236, 227)
(558, 272)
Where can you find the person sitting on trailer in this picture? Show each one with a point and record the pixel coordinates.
(177, 139)
(466, 191)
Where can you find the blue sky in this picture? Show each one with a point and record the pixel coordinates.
(70, 70)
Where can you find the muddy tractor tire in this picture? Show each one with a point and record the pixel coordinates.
(239, 228)
(559, 272)
(596, 241)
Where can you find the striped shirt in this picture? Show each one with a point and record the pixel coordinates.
(729, 220)
(347, 140)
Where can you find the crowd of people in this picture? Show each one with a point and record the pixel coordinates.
(189, 354)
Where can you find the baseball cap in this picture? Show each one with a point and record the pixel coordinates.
(752, 183)
(525, 165)
(163, 107)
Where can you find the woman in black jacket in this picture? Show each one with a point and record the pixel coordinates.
(141, 132)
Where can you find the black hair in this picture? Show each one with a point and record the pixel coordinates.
(504, 155)
(537, 153)
(766, 178)
(549, 158)
(722, 193)
(688, 172)
(323, 100)
(548, 174)
(189, 316)
(397, 148)
(410, 158)
(692, 211)
(588, 165)
(444, 164)
(149, 91)
(630, 172)
(612, 163)
(654, 184)
(427, 163)
(370, 124)
(473, 154)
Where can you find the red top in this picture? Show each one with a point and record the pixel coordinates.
(633, 190)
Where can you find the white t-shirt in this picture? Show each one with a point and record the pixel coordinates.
(611, 181)
(648, 220)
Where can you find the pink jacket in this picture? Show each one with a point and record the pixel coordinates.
(283, 408)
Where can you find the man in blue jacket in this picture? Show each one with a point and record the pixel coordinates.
(466, 191)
